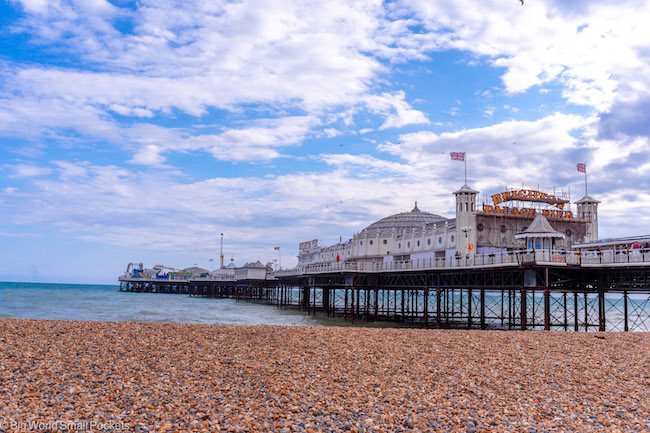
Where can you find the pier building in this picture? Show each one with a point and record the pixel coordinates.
(515, 219)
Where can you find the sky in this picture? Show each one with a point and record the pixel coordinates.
(141, 131)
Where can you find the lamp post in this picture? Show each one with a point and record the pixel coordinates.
(221, 250)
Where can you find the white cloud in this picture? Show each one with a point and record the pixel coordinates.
(70, 169)
(128, 111)
(398, 112)
(152, 210)
(28, 170)
(541, 42)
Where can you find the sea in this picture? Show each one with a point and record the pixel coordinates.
(107, 303)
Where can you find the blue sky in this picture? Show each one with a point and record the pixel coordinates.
(140, 131)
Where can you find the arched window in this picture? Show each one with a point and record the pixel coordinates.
(466, 206)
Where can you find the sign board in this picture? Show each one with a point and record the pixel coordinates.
(528, 195)
(309, 245)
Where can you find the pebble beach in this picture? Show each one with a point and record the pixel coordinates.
(125, 376)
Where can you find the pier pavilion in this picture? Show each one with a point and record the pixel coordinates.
(489, 228)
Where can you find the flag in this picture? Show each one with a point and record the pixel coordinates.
(458, 156)
(337, 258)
(212, 260)
(582, 168)
(276, 248)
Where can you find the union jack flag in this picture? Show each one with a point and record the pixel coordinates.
(582, 168)
(458, 156)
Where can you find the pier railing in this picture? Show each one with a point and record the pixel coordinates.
(510, 258)
(634, 257)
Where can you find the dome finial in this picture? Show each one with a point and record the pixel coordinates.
(415, 209)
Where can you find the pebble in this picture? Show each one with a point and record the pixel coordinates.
(204, 378)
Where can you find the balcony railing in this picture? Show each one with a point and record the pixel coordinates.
(511, 258)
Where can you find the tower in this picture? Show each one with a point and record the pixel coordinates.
(588, 209)
(466, 220)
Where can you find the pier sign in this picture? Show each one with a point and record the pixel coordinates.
(528, 212)
(528, 195)
(306, 246)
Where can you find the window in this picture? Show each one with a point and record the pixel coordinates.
(466, 206)
(399, 246)
(385, 241)
(428, 241)
(480, 227)
(568, 233)
(472, 206)
(504, 228)
(408, 244)
(370, 241)
(440, 239)
(418, 243)
(452, 238)
(360, 242)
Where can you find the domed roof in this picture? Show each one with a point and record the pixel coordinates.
(405, 220)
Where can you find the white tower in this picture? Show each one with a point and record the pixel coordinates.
(466, 220)
(588, 209)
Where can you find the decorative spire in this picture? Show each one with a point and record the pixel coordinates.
(415, 209)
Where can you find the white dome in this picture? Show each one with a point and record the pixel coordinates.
(405, 220)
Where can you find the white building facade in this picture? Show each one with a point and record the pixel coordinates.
(417, 235)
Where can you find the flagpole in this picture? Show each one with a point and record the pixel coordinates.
(586, 181)
(465, 162)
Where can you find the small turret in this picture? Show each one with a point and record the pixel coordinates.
(588, 210)
(466, 220)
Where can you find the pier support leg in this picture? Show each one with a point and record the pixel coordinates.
(547, 303)
(469, 308)
(547, 310)
(376, 302)
(566, 314)
(586, 312)
(482, 300)
(524, 309)
(426, 307)
(438, 304)
(502, 302)
(601, 310)
(625, 318)
(575, 312)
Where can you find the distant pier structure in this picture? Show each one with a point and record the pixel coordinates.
(524, 261)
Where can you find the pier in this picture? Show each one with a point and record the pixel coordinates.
(527, 290)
